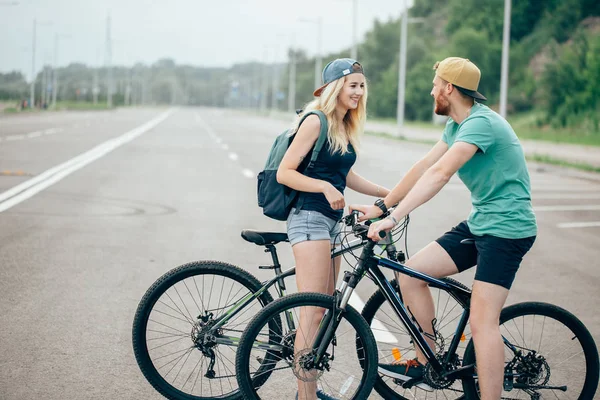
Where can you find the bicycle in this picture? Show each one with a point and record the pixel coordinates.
(532, 370)
(185, 339)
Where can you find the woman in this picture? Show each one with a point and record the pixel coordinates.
(313, 223)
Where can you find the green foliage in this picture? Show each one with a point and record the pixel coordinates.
(571, 84)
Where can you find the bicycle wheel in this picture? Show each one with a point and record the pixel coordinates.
(556, 350)
(391, 334)
(341, 375)
(174, 345)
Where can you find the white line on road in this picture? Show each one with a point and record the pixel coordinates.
(35, 134)
(584, 207)
(232, 156)
(567, 225)
(15, 137)
(381, 333)
(49, 177)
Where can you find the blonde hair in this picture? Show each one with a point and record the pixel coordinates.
(354, 120)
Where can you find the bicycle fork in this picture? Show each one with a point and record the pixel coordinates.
(331, 318)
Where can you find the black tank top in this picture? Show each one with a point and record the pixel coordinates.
(332, 168)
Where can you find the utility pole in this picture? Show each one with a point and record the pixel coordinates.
(265, 85)
(505, 57)
(108, 61)
(32, 91)
(402, 70)
(55, 72)
(292, 82)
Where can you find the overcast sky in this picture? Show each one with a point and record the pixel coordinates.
(196, 32)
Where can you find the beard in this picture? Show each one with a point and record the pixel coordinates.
(442, 106)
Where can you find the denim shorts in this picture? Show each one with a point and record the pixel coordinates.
(497, 259)
(306, 225)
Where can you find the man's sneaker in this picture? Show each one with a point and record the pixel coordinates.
(321, 395)
(404, 371)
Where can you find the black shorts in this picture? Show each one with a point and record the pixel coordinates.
(497, 259)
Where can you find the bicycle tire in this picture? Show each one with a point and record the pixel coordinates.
(169, 280)
(363, 332)
(562, 316)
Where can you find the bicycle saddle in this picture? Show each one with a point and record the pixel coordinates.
(264, 238)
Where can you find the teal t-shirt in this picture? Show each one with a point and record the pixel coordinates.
(496, 175)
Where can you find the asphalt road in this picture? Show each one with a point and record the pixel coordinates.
(134, 193)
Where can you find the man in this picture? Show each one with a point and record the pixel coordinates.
(482, 147)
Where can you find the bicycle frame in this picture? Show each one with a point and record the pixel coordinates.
(279, 279)
(370, 264)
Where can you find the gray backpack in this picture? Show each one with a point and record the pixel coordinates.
(276, 199)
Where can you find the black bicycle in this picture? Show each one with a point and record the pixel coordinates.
(189, 322)
(549, 352)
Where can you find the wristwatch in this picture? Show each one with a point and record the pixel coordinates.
(380, 203)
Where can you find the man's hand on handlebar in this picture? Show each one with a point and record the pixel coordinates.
(377, 229)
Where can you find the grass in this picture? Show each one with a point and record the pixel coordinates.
(527, 126)
(80, 105)
(540, 158)
(388, 136)
(555, 161)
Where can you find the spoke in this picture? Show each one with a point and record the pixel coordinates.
(169, 334)
(190, 375)
(201, 297)
(166, 326)
(169, 315)
(165, 344)
(170, 354)
(178, 310)
(178, 372)
(191, 319)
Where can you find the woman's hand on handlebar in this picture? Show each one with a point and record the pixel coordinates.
(368, 212)
(377, 228)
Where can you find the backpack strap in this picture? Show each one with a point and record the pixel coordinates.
(318, 146)
(322, 135)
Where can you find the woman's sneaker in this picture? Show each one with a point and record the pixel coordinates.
(321, 395)
(405, 370)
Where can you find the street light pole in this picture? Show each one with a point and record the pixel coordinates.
(318, 60)
(353, 53)
(505, 57)
(402, 70)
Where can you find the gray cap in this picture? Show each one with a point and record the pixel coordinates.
(337, 69)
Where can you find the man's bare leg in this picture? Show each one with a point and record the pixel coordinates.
(487, 301)
(432, 260)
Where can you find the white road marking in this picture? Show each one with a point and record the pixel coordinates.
(48, 178)
(35, 134)
(568, 225)
(232, 156)
(583, 207)
(15, 137)
(381, 333)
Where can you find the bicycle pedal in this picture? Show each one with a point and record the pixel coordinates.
(266, 267)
